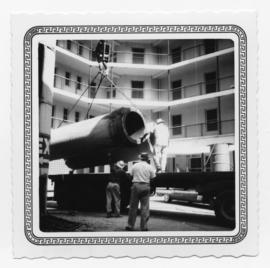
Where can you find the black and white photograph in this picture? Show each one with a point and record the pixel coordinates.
(134, 137)
(141, 136)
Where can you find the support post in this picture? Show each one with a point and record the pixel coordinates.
(111, 91)
(46, 60)
(219, 100)
(168, 51)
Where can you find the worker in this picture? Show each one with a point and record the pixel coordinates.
(113, 189)
(142, 172)
(161, 143)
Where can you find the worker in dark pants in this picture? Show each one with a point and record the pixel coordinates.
(113, 189)
(142, 172)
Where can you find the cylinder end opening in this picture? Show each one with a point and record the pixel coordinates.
(134, 126)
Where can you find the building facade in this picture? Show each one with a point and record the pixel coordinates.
(188, 83)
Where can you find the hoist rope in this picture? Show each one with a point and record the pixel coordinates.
(96, 91)
(77, 101)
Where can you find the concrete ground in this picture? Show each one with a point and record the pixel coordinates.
(175, 216)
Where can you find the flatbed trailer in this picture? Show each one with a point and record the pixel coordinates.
(87, 191)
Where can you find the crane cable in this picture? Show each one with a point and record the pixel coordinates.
(77, 101)
(96, 91)
(111, 81)
(122, 93)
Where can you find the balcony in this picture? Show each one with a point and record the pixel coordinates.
(137, 57)
(145, 94)
(203, 129)
(77, 48)
(202, 88)
(184, 131)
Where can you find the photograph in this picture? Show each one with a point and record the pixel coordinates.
(137, 135)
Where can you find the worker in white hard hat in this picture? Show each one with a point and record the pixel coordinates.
(160, 148)
(113, 189)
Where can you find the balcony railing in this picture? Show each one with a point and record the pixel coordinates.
(77, 48)
(202, 88)
(138, 57)
(69, 84)
(151, 94)
(203, 129)
(184, 131)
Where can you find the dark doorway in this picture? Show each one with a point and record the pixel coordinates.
(210, 46)
(210, 82)
(177, 89)
(211, 120)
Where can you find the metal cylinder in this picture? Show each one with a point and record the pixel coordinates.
(220, 157)
(100, 140)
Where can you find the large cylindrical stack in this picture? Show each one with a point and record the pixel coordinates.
(100, 140)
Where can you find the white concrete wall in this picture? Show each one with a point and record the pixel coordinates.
(125, 54)
(58, 113)
(195, 113)
(86, 52)
(60, 81)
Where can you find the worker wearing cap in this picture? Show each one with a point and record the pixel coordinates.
(113, 189)
(142, 172)
(161, 134)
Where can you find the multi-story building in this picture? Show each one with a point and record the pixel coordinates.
(188, 83)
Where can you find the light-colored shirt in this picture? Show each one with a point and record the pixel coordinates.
(142, 172)
(161, 133)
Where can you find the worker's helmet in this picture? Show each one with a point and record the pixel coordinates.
(121, 164)
(160, 120)
(144, 157)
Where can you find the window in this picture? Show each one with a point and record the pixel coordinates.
(55, 76)
(195, 164)
(53, 113)
(65, 114)
(92, 90)
(78, 84)
(210, 82)
(91, 169)
(101, 169)
(80, 50)
(69, 44)
(177, 89)
(211, 120)
(109, 93)
(67, 78)
(210, 46)
(77, 116)
(93, 55)
(114, 56)
(138, 55)
(137, 89)
(177, 124)
(176, 54)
